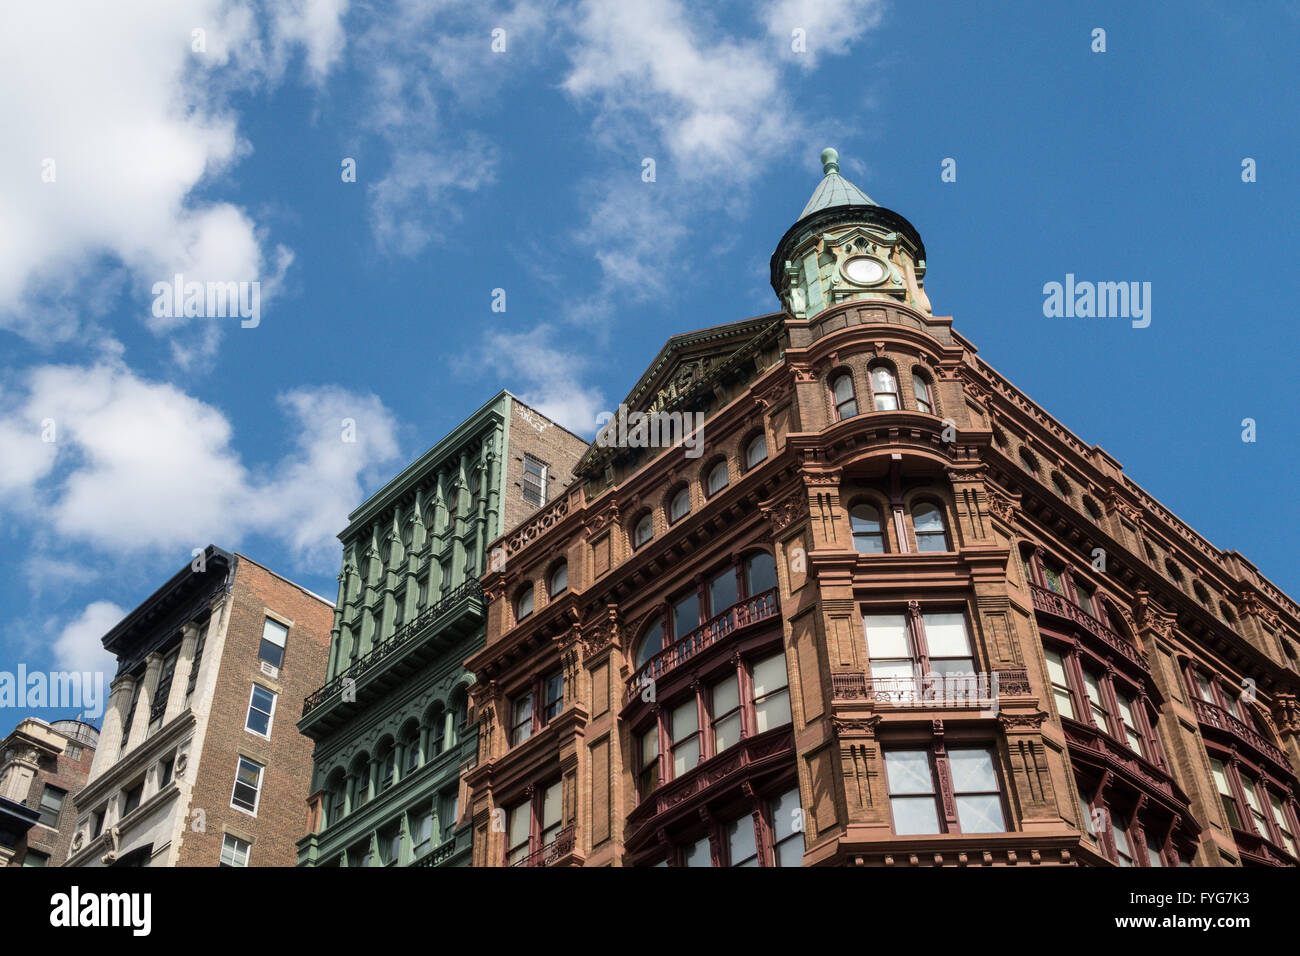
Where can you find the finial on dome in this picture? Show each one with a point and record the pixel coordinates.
(830, 161)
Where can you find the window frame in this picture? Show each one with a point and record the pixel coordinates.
(944, 793)
(876, 394)
(234, 855)
(838, 404)
(257, 790)
(537, 693)
(284, 647)
(270, 715)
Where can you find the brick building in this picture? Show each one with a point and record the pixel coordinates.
(894, 614)
(42, 765)
(389, 720)
(197, 764)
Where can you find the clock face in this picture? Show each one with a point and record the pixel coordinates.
(864, 270)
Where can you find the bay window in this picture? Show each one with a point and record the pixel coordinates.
(919, 790)
(737, 703)
(904, 649)
(770, 834)
(536, 706)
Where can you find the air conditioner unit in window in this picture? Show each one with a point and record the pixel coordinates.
(270, 670)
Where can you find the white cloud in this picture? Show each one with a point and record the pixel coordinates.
(829, 26)
(143, 467)
(544, 370)
(716, 103)
(78, 647)
(112, 99)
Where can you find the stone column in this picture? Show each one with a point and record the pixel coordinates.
(140, 719)
(181, 676)
(115, 718)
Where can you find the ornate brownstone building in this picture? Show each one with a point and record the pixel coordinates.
(878, 609)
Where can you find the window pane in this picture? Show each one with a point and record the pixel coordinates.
(1153, 851)
(275, 632)
(787, 815)
(698, 854)
(726, 732)
(681, 505)
(722, 592)
(685, 720)
(686, 616)
(769, 675)
(718, 477)
(772, 711)
(887, 636)
(726, 696)
(914, 815)
(972, 771)
(760, 571)
(756, 452)
(518, 826)
(551, 805)
(843, 389)
(908, 771)
(742, 850)
(946, 635)
(651, 644)
(980, 814)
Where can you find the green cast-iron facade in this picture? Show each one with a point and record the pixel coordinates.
(389, 723)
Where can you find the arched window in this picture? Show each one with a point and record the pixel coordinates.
(760, 574)
(559, 582)
(756, 451)
(410, 747)
(436, 721)
(1028, 460)
(868, 533)
(927, 522)
(884, 388)
(846, 402)
(921, 389)
(652, 642)
(387, 764)
(360, 780)
(337, 787)
(680, 506)
(524, 603)
(644, 530)
(1062, 486)
(718, 477)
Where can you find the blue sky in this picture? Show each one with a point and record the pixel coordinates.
(522, 170)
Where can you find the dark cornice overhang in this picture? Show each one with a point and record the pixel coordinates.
(159, 616)
(15, 820)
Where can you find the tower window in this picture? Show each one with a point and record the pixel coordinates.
(846, 402)
(884, 389)
(921, 389)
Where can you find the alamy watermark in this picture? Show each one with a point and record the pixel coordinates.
(1102, 300)
(208, 300)
(75, 690)
(624, 429)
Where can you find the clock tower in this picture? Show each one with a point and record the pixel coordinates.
(846, 246)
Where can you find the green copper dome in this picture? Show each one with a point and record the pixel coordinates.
(834, 189)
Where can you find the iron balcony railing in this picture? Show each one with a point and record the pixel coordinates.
(931, 690)
(562, 845)
(404, 635)
(1220, 719)
(1049, 602)
(760, 607)
(438, 855)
